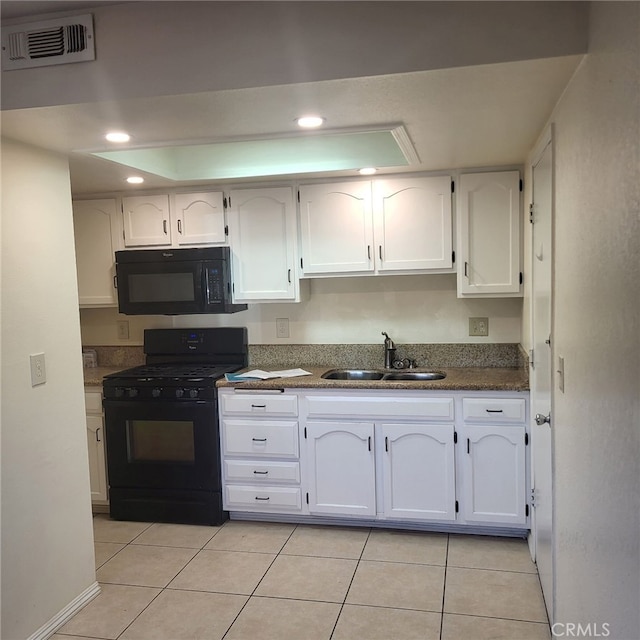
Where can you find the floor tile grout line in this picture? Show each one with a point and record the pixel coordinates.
(251, 595)
(346, 593)
(444, 584)
(479, 615)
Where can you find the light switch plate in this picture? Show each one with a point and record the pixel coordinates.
(478, 326)
(123, 329)
(38, 369)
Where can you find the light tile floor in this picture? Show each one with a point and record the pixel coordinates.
(259, 581)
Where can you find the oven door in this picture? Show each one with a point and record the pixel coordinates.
(162, 445)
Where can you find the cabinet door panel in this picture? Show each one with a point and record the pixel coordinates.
(336, 228)
(146, 221)
(419, 472)
(413, 223)
(489, 208)
(263, 239)
(493, 463)
(341, 468)
(97, 238)
(200, 218)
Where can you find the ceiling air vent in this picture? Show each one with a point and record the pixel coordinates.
(38, 44)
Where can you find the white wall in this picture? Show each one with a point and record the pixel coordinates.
(412, 309)
(597, 293)
(47, 538)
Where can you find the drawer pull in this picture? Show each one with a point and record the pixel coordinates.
(259, 439)
(493, 410)
(258, 406)
(264, 499)
(386, 444)
(261, 473)
(369, 443)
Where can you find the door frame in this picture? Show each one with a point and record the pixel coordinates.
(546, 139)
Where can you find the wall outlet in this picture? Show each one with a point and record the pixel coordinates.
(282, 327)
(123, 329)
(38, 369)
(478, 326)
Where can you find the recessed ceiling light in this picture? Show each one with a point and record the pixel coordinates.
(135, 180)
(310, 122)
(367, 171)
(118, 136)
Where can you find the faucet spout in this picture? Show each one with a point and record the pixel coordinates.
(389, 351)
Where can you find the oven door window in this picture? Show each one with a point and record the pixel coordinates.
(169, 441)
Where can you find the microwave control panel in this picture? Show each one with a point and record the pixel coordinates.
(215, 285)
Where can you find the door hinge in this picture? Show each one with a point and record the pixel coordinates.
(526, 510)
(455, 437)
(298, 195)
(307, 497)
(531, 213)
(305, 433)
(531, 360)
(453, 257)
(521, 278)
(521, 184)
(457, 507)
(301, 264)
(453, 187)
(224, 202)
(226, 229)
(533, 498)
(526, 439)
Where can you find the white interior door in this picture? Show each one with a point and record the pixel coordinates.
(541, 374)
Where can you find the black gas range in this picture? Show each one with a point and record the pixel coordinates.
(161, 425)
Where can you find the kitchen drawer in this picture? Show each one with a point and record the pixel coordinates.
(93, 402)
(261, 471)
(260, 404)
(260, 438)
(494, 409)
(380, 407)
(262, 498)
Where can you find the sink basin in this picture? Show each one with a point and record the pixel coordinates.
(353, 374)
(415, 375)
(372, 374)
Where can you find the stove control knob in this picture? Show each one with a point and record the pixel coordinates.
(132, 392)
(156, 393)
(193, 393)
(179, 393)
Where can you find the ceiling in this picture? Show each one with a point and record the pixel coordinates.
(479, 116)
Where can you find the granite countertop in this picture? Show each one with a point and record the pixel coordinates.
(457, 379)
(93, 376)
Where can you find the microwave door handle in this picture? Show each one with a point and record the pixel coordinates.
(205, 285)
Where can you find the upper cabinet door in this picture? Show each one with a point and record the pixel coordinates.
(263, 237)
(146, 221)
(199, 218)
(336, 228)
(489, 234)
(97, 236)
(412, 224)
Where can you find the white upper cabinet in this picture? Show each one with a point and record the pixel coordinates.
(336, 228)
(262, 228)
(412, 224)
(146, 221)
(199, 218)
(489, 234)
(397, 225)
(97, 237)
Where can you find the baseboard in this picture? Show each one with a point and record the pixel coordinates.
(63, 616)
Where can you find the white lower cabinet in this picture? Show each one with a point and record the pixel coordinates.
(95, 446)
(415, 457)
(341, 468)
(418, 470)
(260, 447)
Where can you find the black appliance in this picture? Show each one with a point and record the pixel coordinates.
(161, 426)
(175, 281)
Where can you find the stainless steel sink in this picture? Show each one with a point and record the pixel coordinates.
(372, 374)
(353, 374)
(415, 375)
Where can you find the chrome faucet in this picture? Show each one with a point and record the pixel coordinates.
(389, 351)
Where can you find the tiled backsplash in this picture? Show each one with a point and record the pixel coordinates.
(368, 356)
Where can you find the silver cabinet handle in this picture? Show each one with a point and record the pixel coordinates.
(179, 225)
(260, 473)
(380, 251)
(542, 419)
(164, 227)
(259, 498)
(259, 439)
(98, 435)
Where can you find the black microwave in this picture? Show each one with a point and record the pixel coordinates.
(175, 281)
